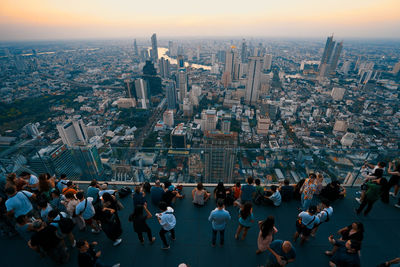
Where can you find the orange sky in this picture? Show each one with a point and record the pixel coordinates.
(64, 19)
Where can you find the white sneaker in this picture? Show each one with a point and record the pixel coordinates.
(117, 242)
(116, 265)
(95, 231)
(358, 200)
(392, 194)
(74, 244)
(397, 206)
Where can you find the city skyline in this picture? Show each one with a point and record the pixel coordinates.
(41, 20)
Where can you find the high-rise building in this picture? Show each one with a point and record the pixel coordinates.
(226, 124)
(244, 53)
(135, 48)
(182, 84)
(168, 117)
(396, 68)
(337, 93)
(209, 120)
(73, 132)
(180, 62)
(219, 156)
(171, 95)
(154, 48)
(55, 159)
(179, 136)
(267, 62)
(32, 130)
(335, 58)
(253, 80)
(230, 60)
(164, 67)
(330, 57)
(142, 93)
(130, 88)
(88, 159)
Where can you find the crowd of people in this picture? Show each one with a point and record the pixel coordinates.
(45, 210)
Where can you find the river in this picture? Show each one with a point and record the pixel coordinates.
(162, 52)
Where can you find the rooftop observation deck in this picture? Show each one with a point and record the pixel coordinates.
(193, 238)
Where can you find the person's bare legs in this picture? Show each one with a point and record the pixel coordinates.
(239, 229)
(245, 230)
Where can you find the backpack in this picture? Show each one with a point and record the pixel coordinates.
(124, 191)
(66, 224)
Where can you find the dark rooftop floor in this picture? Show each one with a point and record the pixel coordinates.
(193, 238)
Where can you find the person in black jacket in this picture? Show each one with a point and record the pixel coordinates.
(88, 257)
(139, 223)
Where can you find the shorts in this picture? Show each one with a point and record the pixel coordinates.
(301, 229)
(247, 227)
(394, 180)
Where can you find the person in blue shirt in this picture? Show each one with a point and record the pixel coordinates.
(218, 218)
(93, 191)
(305, 222)
(246, 219)
(156, 193)
(248, 191)
(285, 253)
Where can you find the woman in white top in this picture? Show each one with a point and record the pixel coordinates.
(70, 204)
(200, 195)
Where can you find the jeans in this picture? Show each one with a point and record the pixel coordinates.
(305, 203)
(221, 235)
(162, 235)
(140, 236)
(365, 203)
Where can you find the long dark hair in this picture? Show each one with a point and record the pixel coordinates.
(245, 211)
(44, 185)
(267, 226)
(220, 187)
(138, 211)
(107, 197)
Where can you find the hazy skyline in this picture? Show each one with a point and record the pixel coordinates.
(74, 19)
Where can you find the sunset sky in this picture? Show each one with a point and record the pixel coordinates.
(77, 19)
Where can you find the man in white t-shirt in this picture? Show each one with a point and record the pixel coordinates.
(306, 221)
(18, 203)
(324, 215)
(167, 221)
(32, 180)
(86, 210)
(276, 198)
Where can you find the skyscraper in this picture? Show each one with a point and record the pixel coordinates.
(335, 58)
(164, 67)
(88, 159)
(219, 156)
(142, 93)
(73, 132)
(135, 48)
(244, 53)
(154, 48)
(171, 95)
(182, 84)
(230, 60)
(130, 88)
(267, 62)
(253, 80)
(180, 62)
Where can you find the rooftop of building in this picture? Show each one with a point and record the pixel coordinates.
(193, 237)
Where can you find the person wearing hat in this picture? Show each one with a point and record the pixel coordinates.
(306, 220)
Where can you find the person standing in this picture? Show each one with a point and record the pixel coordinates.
(266, 234)
(18, 203)
(139, 223)
(305, 223)
(138, 196)
(246, 219)
(395, 178)
(86, 210)
(167, 221)
(156, 193)
(109, 218)
(371, 196)
(324, 215)
(218, 218)
(308, 189)
(248, 191)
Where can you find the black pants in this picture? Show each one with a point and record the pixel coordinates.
(149, 235)
(368, 203)
(221, 235)
(162, 235)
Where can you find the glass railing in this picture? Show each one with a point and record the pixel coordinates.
(191, 165)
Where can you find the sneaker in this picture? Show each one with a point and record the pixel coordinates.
(397, 206)
(358, 200)
(392, 194)
(117, 265)
(74, 243)
(95, 231)
(165, 247)
(152, 240)
(117, 242)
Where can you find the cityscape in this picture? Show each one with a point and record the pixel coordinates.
(208, 133)
(199, 110)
